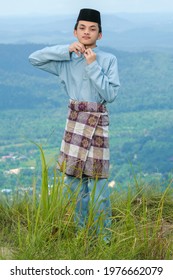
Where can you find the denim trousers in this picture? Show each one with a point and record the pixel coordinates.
(92, 203)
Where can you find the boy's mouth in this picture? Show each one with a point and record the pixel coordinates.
(86, 37)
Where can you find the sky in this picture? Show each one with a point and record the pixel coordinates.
(53, 7)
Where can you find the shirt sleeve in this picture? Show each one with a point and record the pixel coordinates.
(106, 82)
(50, 58)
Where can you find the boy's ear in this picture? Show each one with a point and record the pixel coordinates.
(99, 36)
(75, 33)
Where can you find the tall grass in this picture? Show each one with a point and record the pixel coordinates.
(42, 226)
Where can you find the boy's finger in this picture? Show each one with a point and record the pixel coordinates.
(82, 47)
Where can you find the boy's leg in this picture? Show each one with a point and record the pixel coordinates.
(101, 206)
(79, 188)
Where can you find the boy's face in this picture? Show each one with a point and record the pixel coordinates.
(87, 33)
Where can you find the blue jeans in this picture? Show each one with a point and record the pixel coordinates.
(93, 202)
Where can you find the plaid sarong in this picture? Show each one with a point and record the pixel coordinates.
(85, 145)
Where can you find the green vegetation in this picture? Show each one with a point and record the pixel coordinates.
(36, 218)
(33, 108)
(141, 143)
(42, 227)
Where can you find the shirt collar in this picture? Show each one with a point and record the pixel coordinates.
(96, 49)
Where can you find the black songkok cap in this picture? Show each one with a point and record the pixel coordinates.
(89, 15)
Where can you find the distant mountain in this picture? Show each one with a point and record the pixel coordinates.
(146, 80)
(129, 32)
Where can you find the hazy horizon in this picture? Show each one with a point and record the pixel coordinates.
(123, 31)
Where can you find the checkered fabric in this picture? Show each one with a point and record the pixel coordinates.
(85, 145)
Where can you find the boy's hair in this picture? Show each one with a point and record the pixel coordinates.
(76, 25)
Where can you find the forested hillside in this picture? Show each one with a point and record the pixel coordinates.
(33, 107)
(146, 80)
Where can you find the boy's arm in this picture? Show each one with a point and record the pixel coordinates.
(106, 83)
(47, 58)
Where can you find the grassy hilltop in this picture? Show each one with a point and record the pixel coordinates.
(42, 227)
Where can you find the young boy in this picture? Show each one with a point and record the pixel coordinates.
(90, 78)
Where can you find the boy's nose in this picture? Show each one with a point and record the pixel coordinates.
(86, 31)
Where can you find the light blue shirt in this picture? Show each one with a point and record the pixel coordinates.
(95, 82)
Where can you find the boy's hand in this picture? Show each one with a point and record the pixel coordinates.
(77, 47)
(90, 56)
